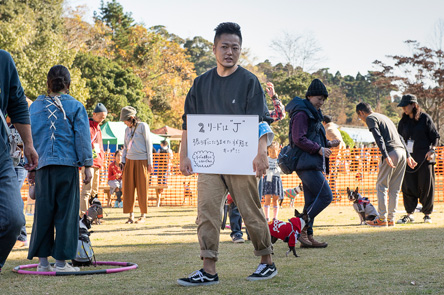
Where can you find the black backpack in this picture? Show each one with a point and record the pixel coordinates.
(289, 155)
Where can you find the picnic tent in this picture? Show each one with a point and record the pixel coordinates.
(113, 134)
(169, 132)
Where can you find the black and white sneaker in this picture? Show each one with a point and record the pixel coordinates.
(199, 278)
(263, 272)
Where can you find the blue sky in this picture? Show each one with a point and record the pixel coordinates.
(351, 33)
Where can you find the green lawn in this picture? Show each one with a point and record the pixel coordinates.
(406, 259)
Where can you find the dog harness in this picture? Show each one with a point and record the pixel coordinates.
(286, 231)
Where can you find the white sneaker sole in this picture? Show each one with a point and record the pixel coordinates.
(187, 284)
(263, 278)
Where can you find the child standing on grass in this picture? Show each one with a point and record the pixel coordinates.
(272, 188)
(60, 130)
(115, 179)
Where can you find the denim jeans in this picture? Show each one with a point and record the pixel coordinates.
(21, 176)
(12, 218)
(317, 194)
(235, 221)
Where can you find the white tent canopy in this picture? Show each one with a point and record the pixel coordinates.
(359, 134)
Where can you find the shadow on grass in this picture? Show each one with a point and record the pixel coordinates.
(405, 259)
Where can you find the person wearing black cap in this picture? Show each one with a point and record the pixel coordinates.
(308, 135)
(92, 189)
(421, 136)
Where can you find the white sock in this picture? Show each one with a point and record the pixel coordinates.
(266, 211)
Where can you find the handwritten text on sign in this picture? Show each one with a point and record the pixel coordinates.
(222, 144)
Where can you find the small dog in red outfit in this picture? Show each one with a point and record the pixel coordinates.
(289, 231)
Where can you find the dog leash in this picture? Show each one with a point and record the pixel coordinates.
(320, 190)
(416, 168)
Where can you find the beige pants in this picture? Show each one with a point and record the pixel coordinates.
(135, 177)
(212, 189)
(90, 189)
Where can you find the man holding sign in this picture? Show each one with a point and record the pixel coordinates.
(228, 89)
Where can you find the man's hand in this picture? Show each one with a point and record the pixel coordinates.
(411, 162)
(87, 175)
(390, 162)
(185, 166)
(30, 153)
(150, 168)
(260, 164)
(327, 152)
(32, 157)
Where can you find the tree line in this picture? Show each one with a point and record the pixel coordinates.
(119, 62)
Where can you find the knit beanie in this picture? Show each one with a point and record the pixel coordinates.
(100, 108)
(127, 112)
(316, 88)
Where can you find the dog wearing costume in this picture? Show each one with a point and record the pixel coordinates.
(288, 231)
(362, 206)
(292, 193)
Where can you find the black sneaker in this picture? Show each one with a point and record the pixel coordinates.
(238, 240)
(427, 219)
(263, 272)
(406, 219)
(199, 278)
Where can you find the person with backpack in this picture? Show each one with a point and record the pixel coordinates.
(307, 134)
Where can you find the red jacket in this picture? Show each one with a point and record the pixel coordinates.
(114, 172)
(96, 140)
(282, 230)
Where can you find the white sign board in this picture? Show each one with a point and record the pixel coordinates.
(222, 144)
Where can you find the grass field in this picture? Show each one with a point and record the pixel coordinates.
(406, 259)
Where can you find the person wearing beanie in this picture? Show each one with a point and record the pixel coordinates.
(137, 159)
(92, 189)
(308, 136)
(317, 88)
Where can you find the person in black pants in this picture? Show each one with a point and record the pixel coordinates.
(421, 136)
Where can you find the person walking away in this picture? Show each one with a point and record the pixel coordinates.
(60, 131)
(420, 134)
(13, 103)
(391, 166)
(137, 158)
(92, 188)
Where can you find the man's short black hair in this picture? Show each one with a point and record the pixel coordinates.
(327, 119)
(164, 142)
(227, 28)
(365, 107)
